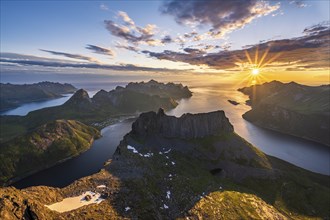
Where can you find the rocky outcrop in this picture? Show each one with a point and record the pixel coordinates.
(291, 108)
(188, 126)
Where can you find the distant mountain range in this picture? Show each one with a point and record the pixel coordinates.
(12, 96)
(291, 108)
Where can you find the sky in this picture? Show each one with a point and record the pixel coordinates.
(173, 40)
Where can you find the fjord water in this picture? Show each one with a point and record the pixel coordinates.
(85, 164)
(29, 107)
(303, 153)
(306, 154)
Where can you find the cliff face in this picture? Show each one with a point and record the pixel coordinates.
(291, 108)
(188, 126)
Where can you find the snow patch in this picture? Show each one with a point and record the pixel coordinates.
(129, 147)
(168, 194)
(127, 209)
(101, 186)
(72, 203)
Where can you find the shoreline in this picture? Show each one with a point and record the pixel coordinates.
(116, 119)
(33, 101)
(285, 133)
(21, 177)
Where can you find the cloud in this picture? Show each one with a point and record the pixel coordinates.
(132, 33)
(191, 34)
(70, 55)
(167, 39)
(26, 60)
(127, 47)
(315, 29)
(193, 51)
(223, 16)
(124, 16)
(104, 7)
(306, 52)
(299, 3)
(100, 50)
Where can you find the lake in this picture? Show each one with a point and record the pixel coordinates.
(306, 154)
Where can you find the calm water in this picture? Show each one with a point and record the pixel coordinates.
(306, 154)
(28, 107)
(85, 164)
(91, 88)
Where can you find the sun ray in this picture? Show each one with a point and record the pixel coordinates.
(248, 56)
(263, 57)
(256, 56)
(271, 60)
(255, 67)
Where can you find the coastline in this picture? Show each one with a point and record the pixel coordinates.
(21, 177)
(285, 133)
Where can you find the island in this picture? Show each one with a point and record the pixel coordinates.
(191, 167)
(48, 136)
(12, 95)
(291, 108)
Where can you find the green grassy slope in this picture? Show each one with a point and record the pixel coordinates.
(43, 147)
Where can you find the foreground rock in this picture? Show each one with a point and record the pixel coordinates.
(12, 95)
(291, 108)
(160, 173)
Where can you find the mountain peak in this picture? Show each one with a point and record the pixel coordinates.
(80, 97)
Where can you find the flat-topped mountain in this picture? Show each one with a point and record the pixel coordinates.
(12, 95)
(187, 126)
(163, 175)
(291, 108)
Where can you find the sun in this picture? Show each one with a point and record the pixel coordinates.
(255, 71)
